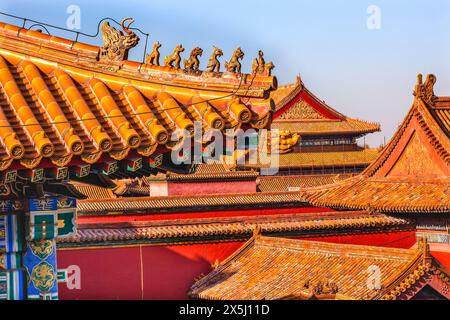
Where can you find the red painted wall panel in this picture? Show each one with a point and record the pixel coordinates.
(107, 273)
(442, 257)
(141, 272)
(195, 188)
(405, 239)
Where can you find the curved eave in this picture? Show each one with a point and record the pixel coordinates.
(348, 126)
(383, 195)
(72, 109)
(188, 203)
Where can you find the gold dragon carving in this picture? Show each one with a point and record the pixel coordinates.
(117, 44)
(425, 90)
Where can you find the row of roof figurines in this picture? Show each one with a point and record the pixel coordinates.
(116, 45)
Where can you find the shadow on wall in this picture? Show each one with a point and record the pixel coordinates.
(141, 272)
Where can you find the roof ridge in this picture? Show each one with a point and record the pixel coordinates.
(419, 107)
(331, 247)
(87, 56)
(325, 105)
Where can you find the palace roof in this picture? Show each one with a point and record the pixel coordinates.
(65, 102)
(236, 228)
(412, 173)
(185, 203)
(296, 183)
(202, 173)
(140, 187)
(213, 172)
(95, 192)
(298, 110)
(361, 157)
(274, 268)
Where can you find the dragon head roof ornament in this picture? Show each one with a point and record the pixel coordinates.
(425, 91)
(117, 44)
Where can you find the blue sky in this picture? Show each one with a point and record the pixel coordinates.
(369, 74)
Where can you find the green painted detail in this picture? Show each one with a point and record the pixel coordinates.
(42, 226)
(61, 275)
(3, 286)
(66, 223)
(134, 165)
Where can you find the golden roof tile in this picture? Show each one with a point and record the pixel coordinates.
(94, 192)
(188, 203)
(63, 99)
(238, 227)
(213, 172)
(299, 110)
(323, 159)
(295, 183)
(274, 268)
(411, 174)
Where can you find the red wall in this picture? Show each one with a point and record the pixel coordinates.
(196, 188)
(167, 272)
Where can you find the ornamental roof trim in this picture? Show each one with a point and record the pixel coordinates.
(63, 103)
(240, 227)
(285, 267)
(398, 180)
(326, 121)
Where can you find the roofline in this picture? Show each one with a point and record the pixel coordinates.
(422, 108)
(234, 228)
(86, 57)
(294, 200)
(418, 265)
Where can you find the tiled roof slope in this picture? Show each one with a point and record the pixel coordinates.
(412, 173)
(288, 183)
(60, 101)
(298, 110)
(213, 172)
(236, 227)
(189, 203)
(322, 159)
(94, 192)
(275, 268)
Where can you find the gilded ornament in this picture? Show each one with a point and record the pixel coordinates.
(193, 63)
(153, 57)
(43, 276)
(234, 65)
(117, 44)
(214, 63)
(41, 248)
(174, 58)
